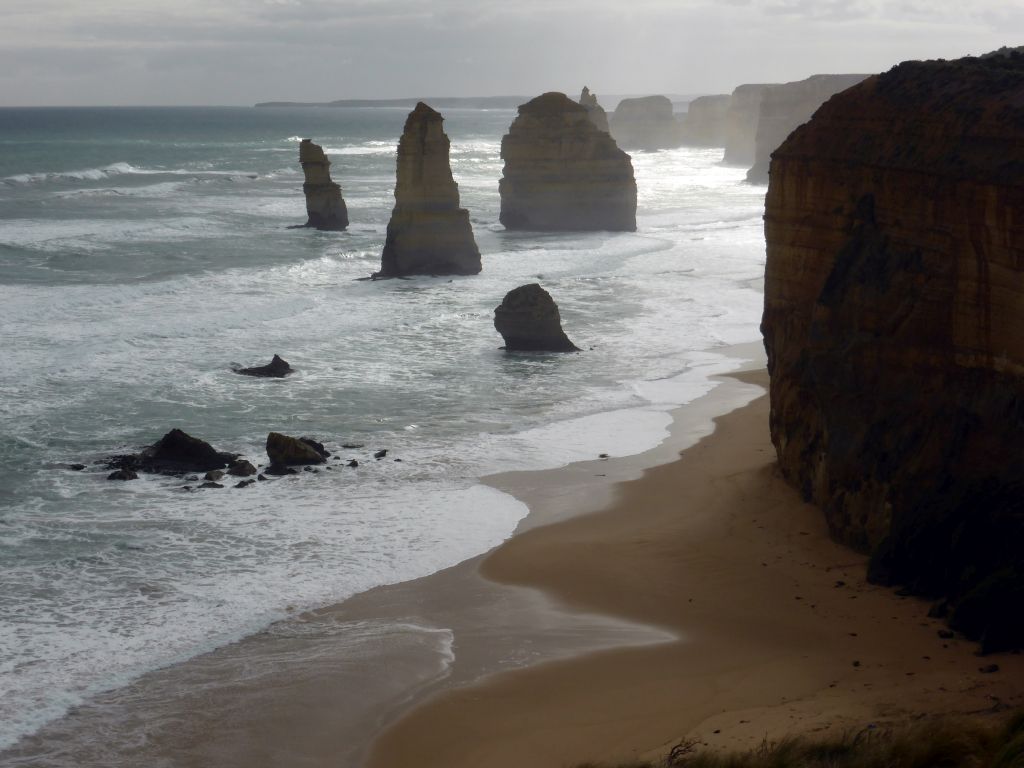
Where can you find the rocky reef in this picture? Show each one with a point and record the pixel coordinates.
(784, 107)
(894, 303)
(646, 123)
(597, 114)
(704, 122)
(429, 234)
(277, 368)
(562, 173)
(325, 206)
(528, 320)
(175, 453)
(741, 124)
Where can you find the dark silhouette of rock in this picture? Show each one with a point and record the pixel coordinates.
(528, 320)
(76, 467)
(276, 368)
(244, 483)
(380, 454)
(429, 234)
(214, 474)
(646, 123)
(562, 173)
(894, 302)
(176, 453)
(596, 112)
(211, 484)
(324, 203)
(705, 121)
(316, 446)
(241, 468)
(286, 451)
(123, 474)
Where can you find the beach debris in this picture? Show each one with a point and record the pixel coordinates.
(528, 320)
(277, 368)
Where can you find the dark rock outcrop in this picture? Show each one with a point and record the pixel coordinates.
(285, 451)
(176, 453)
(276, 368)
(703, 125)
(528, 320)
(741, 124)
(562, 173)
(324, 203)
(429, 234)
(646, 123)
(786, 106)
(597, 114)
(894, 303)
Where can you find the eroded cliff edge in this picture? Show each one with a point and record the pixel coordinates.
(894, 309)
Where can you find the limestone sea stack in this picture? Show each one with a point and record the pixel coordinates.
(597, 114)
(894, 303)
(528, 320)
(646, 123)
(784, 107)
(562, 173)
(741, 124)
(704, 122)
(325, 206)
(429, 234)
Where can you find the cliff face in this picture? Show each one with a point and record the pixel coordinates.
(645, 123)
(597, 114)
(704, 123)
(325, 206)
(894, 303)
(741, 124)
(784, 107)
(562, 173)
(429, 234)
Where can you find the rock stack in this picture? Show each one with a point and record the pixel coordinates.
(429, 234)
(704, 123)
(646, 123)
(528, 320)
(597, 114)
(894, 302)
(562, 173)
(324, 203)
(741, 124)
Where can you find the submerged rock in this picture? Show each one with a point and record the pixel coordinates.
(285, 451)
(276, 368)
(528, 320)
(241, 468)
(596, 112)
(123, 474)
(324, 203)
(646, 123)
(562, 173)
(429, 234)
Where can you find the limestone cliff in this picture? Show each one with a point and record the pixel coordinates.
(894, 303)
(741, 124)
(597, 114)
(325, 206)
(646, 123)
(562, 173)
(784, 107)
(429, 234)
(704, 122)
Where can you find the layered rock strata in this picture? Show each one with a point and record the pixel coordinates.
(528, 320)
(894, 303)
(705, 120)
(562, 173)
(646, 123)
(429, 234)
(325, 206)
(784, 107)
(741, 124)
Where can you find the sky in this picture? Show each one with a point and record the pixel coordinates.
(238, 52)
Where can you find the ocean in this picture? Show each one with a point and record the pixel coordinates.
(144, 251)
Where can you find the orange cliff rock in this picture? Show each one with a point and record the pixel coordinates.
(893, 319)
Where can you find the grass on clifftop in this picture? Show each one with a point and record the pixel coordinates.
(936, 744)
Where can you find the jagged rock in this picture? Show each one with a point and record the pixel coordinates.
(211, 484)
(277, 470)
(324, 203)
(646, 123)
(316, 446)
(286, 451)
(784, 107)
(123, 474)
(894, 302)
(596, 112)
(276, 368)
(244, 483)
(429, 234)
(528, 320)
(705, 121)
(741, 124)
(176, 453)
(562, 173)
(241, 468)
(214, 474)
(380, 454)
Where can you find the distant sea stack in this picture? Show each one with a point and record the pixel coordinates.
(528, 320)
(597, 114)
(562, 173)
(704, 122)
(741, 124)
(784, 107)
(894, 303)
(646, 123)
(429, 234)
(324, 203)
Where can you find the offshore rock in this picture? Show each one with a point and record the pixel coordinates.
(176, 453)
(562, 173)
(429, 234)
(276, 368)
(786, 106)
(646, 123)
(741, 124)
(705, 120)
(285, 451)
(528, 320)
(324, 203)
(596, 112)
(894, 302)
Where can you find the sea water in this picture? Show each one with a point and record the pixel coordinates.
(143, 251)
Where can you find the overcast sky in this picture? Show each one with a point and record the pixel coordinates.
(115, 52)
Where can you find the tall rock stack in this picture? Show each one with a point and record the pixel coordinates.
(562, 173)
(894, 303)
(646, 123)
(429, 234)
(597, 114)
(741, 124)
(325, 206)
(704, 123)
